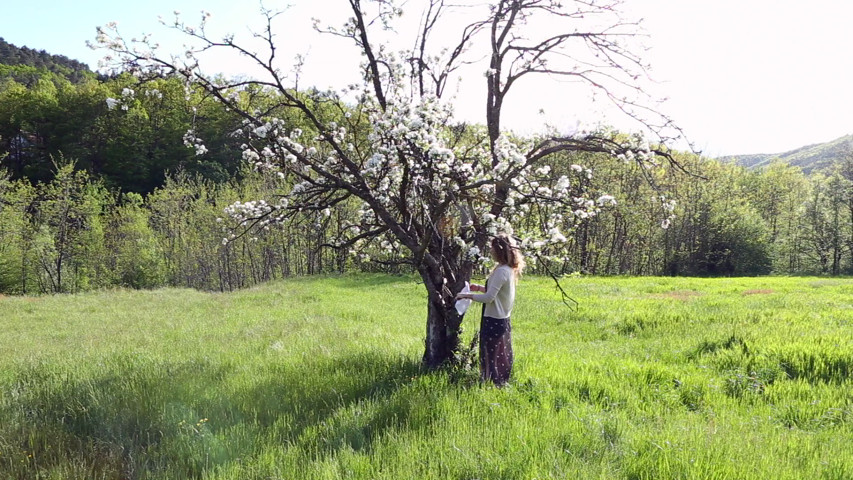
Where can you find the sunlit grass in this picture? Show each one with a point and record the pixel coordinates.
(320, 378)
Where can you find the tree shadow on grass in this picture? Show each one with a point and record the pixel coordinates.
(145, 417)
(291, 401)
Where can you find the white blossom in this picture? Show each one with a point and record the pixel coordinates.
(251, 156)
(261, 132)
(556, 236)
(606, 200)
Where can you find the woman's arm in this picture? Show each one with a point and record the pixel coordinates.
(472, 288)
(496, 281)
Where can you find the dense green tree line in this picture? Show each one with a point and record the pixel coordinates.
(728, 220)
(72, 233)
(126, 134)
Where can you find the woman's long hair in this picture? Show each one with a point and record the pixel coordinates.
(507, 252)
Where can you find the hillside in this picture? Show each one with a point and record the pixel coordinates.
(809, 158)
(61, 65)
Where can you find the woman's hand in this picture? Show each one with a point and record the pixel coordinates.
(463, 296)
(477, 288)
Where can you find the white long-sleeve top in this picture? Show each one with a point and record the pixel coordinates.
(500, 293)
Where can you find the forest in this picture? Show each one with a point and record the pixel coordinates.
(103, 183)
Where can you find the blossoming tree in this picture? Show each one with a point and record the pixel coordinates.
(431, 190)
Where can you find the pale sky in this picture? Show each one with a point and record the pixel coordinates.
(742, 76)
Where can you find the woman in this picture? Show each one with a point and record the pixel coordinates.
(498, 298)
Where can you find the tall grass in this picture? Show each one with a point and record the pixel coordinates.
(319, 378)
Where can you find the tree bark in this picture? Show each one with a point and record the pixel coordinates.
(442, 336)
(443, 325)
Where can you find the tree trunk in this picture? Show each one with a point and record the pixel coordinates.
(443, 326)
(442, 336)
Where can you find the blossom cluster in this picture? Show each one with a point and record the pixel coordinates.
(124, 101)
(411, 159)
(668, 208)
(256, 214)
(193, 141)
(132, 56)
(637, 149)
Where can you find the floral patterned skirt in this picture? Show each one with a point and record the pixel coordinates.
(495, 350)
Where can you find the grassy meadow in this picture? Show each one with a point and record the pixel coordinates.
(319, 378)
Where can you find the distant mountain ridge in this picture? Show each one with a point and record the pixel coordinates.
(809, 158)
(15, 56)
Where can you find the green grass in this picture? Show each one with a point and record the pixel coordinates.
(319, 378)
